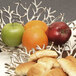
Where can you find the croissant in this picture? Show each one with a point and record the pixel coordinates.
(23, 68)
(68, 66)
(56, 72)
(71, 58)
(37, 70)
(44, 53)
(49, 62)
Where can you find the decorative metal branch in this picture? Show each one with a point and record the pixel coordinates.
(2, 22)
(8, 11)
(20, 54)
(71, 44)
(26, 13)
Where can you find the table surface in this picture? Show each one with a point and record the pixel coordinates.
(61, 6)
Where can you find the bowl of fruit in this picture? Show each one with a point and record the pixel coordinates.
(41, 35)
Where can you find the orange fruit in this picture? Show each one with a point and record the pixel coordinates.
(37, 24)
(33, 37)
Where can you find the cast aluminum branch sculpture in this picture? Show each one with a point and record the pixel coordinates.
(14, 15)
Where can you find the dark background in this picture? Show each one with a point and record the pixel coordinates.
(61, 6)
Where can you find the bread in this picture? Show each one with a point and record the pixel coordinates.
(56, 72)
(49, 62)
(23, 68)
(39, 54)
(71, 58)
(68, 66)
(37, 70)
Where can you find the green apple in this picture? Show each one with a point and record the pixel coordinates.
(12, 33)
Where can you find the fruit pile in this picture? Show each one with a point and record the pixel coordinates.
(35, 33)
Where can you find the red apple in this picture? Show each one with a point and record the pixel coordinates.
(58, 32)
